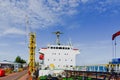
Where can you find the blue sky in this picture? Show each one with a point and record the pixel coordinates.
(89, 24)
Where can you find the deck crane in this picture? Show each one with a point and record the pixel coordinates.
(32, 46)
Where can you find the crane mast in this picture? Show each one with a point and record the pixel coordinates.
(32, 42)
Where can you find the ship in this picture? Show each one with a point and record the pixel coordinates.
(58, 56)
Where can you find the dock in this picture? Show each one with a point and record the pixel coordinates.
(92, 74)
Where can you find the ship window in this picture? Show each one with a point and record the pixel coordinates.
(58, 65)
(71, 59)
(53, 59)
(59, 53)
(51, 47)
(56, 47)
(59, 59)
(48, 59)
(60, 47)
(66, 53)
(65, 47)
(53, 53)
(68, 48)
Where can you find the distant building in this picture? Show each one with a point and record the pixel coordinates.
(8, 64)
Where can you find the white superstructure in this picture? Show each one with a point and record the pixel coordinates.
(58, 57)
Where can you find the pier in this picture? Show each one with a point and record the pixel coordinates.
(92, 75)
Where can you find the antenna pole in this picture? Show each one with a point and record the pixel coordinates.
(112, 49)
(115, 48)
(58, 37)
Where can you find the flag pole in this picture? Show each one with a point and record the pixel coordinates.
(115, 48)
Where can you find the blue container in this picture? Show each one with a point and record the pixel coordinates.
(116, 61)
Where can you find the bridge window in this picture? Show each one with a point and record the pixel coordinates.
(53, 53)
(56, 47)
(60, 47)
(48, 59)
(59, 59)
(65, 47)
(54, 59)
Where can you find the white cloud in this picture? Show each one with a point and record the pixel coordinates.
(99, 52)
(63, 6)
(41, 13)
(13, 31)
(74, 25)
(3, 44)
(84, 1)
(98, 45)
(22, 43)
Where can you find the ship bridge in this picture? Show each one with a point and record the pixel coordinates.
(64, 47)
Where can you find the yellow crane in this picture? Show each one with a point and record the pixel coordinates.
(32, 46)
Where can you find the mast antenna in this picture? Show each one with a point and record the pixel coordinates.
(70, 43)
(58, 37)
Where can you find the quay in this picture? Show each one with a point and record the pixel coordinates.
(92, 74)
(15, 76)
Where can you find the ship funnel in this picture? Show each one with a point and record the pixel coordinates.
(58, 37)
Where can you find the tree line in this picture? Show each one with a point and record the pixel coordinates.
(18, 59)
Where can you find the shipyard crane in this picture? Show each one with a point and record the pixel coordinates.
(32, 42)
(32, 46)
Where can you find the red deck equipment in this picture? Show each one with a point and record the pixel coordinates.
(2, 72)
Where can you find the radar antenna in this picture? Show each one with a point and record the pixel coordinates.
(58, 37)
